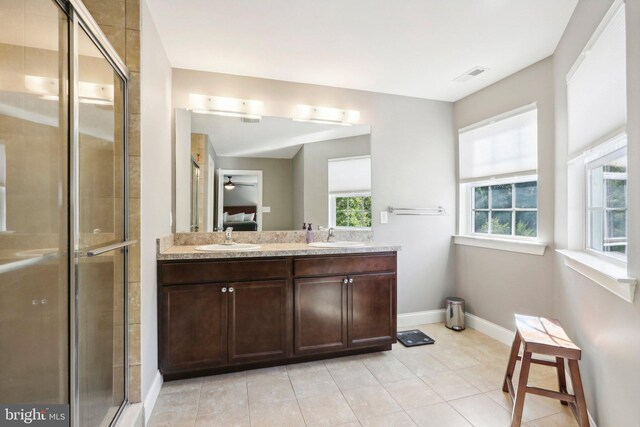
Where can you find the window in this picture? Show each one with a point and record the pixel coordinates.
(350, 192)
(352, 211)
(597, 191)
(498, 182)
(506, 209)
(597, 118)
(607, 204)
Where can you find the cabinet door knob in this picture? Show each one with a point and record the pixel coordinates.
(224, 289)
(345, 281)
(351, 280)
(230, 289)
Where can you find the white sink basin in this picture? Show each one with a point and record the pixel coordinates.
(224, 248)
(336, 244)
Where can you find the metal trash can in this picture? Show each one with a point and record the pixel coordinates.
(454, 313)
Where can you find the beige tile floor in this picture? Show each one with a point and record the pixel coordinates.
(455, 382)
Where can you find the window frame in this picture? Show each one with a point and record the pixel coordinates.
(333, 211)
(470, 209)
(588, 168)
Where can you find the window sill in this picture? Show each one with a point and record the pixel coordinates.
(608, 275)
(521, 246)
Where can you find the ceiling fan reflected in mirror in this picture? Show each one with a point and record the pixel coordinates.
(230, 185)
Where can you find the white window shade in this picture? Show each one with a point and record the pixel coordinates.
(350, 175)
(503, 146)
(596, 86)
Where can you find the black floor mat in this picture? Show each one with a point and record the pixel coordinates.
(414, 337)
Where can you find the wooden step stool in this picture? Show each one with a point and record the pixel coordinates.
(544, 336)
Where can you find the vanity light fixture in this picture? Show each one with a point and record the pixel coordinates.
(88, 93)
(230, 107)
(326, 115)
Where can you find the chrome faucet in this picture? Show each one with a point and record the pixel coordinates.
(331, 236)
(228, 237)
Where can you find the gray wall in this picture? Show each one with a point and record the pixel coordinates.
(155, 208)
(277, 189)
(316, 173)
(496, 284)
(412, 150)
(606, 327)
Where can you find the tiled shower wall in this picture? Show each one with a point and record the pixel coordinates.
(120, 22)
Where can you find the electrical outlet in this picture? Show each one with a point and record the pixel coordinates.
(384, 217)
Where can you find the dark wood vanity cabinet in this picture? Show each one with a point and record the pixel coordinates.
(259, 324)
(281, 310)
(354, 309)
(193, 326)
(320, 309)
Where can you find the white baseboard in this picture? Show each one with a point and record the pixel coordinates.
(497, 332)
(420, 318)
(152, 396)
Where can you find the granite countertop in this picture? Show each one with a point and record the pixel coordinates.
(269, 250)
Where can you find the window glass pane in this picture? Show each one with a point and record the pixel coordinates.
(596, 188)
(527, 195)
(616, 193)
(342, 203)
(501, 197)
(481, 224)
(526, 224)
(597, 230)
(481, 195)
(367, 219)
(616, 224)
(607, 205)
(367, 204)
(501, 222)
(341, 219)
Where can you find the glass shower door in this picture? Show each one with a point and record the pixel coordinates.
(99, 234)
(34, 239)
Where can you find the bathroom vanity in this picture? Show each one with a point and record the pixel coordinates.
(284, 303)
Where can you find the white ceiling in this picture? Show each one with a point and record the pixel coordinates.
(409, 47)
(272, 137)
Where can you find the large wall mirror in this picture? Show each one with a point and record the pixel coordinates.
(269, 174)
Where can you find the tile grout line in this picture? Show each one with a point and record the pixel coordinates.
(342, 394)
(195, 421)
(296, 396)
(246, 386)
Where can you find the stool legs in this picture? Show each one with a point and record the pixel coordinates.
(513, 358)
(581, 405)
(562, 379)
(518, 406)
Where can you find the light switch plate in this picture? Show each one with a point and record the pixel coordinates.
(266, 209)
(384, 217)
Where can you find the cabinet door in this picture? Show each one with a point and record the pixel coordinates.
(259, 320)
(194, 327)
(372, 309)
(320, 310)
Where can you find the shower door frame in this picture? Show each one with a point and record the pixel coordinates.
(81, 20)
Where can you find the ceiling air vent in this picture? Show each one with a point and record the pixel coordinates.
(475, 71)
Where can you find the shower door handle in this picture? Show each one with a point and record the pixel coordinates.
(109, 248)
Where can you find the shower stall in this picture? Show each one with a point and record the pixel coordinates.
(63, 212)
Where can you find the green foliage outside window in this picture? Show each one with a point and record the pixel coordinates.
(497, 208)
(353, 211)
